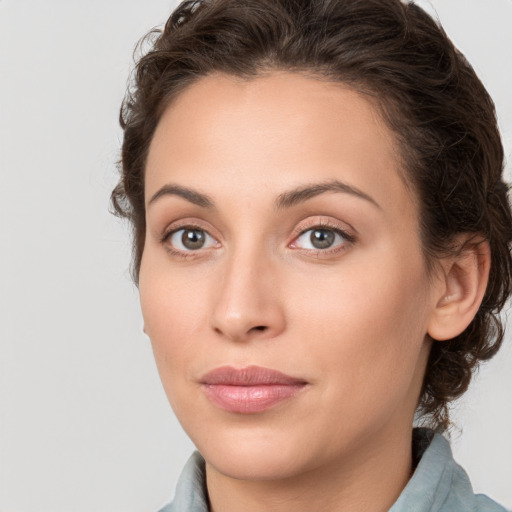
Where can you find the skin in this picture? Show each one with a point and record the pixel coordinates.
(350, 320)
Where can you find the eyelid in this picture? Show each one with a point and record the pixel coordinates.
(186, 223)
(324, 222)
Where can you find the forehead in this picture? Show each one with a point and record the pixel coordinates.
(274, 131)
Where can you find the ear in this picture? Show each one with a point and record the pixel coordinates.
(462, 286)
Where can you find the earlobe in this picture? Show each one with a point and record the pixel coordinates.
(462, 289)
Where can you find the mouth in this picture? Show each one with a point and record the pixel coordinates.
(249, 390)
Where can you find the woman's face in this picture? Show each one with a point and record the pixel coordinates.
(283, 285)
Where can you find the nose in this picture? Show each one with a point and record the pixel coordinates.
(247, 303)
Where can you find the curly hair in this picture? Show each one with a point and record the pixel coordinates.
(427, 92)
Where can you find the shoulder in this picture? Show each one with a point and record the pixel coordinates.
(484, 504)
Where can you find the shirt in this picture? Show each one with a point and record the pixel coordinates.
(438, 484)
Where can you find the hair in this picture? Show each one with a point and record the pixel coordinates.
(442, 117)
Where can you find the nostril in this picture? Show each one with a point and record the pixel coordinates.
(259, 328)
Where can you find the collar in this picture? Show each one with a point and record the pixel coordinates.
(438, 484)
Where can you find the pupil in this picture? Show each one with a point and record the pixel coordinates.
(322, 238)
(193, 238)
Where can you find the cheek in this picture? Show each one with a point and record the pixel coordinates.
(170, 299)
(174, 315)
(366, 327)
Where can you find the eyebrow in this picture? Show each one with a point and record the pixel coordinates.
(301, 194)
(284, 200)
(190, 195)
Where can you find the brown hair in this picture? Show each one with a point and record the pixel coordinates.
(428, 93)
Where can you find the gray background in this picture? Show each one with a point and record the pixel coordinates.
(84, 423)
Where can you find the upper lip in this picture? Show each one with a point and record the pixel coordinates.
(248, 376)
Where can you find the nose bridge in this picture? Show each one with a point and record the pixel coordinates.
(247, 301)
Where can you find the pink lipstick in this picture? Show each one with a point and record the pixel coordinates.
(249, 390)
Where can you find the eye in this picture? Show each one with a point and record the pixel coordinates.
(321, 238)
(190, 239)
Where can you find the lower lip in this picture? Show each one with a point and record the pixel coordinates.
(250, 399)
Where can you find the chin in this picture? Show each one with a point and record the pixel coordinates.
(254, 464)
(258, 454)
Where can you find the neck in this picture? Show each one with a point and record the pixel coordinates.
(369, 480)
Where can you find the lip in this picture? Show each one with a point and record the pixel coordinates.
(249, 390)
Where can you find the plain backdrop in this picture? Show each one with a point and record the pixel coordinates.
(84, 423)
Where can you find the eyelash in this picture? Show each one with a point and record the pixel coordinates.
(178, 252)
(318, 225)
(322, 225)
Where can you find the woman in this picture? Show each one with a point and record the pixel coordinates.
(322, 247)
